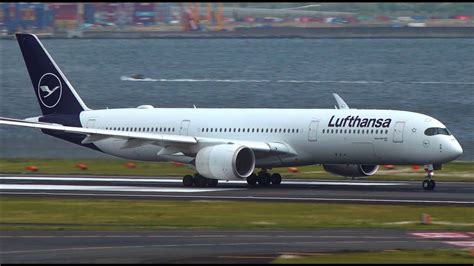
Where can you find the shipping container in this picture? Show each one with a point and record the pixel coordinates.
(144, 13)
(164, 13)
(64, 11)
(89, 11)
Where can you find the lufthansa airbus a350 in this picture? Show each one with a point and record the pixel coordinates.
(228, 144)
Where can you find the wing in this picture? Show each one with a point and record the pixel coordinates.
(173, 143)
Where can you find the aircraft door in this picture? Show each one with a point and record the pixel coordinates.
(313, 130)
(398, 132)
(183, 130)
(90, 123)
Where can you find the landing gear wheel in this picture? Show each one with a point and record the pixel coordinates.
(429, 184)
(188, 180)
(263, 179)
(252, 179)
(425, 184)
(275, 179)
(200, 181)
(212, 182)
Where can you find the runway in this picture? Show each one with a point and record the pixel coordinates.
(353, 191)
(210, 247)
(222, 246)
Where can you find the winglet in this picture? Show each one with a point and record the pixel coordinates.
(340, 102)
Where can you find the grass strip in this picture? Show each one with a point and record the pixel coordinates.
(30, 213)
(455, 171)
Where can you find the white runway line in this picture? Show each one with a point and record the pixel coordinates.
(168, 180)
(108, 188)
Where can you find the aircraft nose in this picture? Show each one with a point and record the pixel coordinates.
(456, 149)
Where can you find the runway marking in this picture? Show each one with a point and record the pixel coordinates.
(167, 180)
(441, 235)
(461, 243)
(242, 197)
(245, 257)
(108, 188)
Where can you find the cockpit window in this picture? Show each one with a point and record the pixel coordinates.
(437, 131)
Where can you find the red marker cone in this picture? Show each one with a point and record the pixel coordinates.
(81, 166)
(292, 169)
(32, 168)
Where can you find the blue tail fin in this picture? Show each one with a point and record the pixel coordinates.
(54, 92)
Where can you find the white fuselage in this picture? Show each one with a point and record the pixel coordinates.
(315, 135)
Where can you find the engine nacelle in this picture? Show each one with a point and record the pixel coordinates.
(225, 161)
(351, 170)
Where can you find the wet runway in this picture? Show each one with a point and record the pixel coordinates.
(210, 247)
(353, 191)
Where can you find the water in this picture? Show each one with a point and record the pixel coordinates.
(430, 76)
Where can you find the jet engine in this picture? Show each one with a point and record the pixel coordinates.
(225, 161)
(351, 170)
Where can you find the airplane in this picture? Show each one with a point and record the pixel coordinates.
(230, 143)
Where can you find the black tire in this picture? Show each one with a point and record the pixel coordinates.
(252, 179)
(429, 184)
(200, 181)
(275, 179)
(212, 182)
(263, 179)
(432, 184)
(188, 181)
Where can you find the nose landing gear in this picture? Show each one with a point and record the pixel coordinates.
(429, 183)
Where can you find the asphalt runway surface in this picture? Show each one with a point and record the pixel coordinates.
(345, 191)
(210, 247)
(218, 246)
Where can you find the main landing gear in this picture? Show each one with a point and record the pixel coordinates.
(429, 183)
(264, 178)
(199, 181)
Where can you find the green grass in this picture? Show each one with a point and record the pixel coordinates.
(450, 256)
(24, 213)
(456, 171)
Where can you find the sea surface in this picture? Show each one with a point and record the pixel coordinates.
(430, 76)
